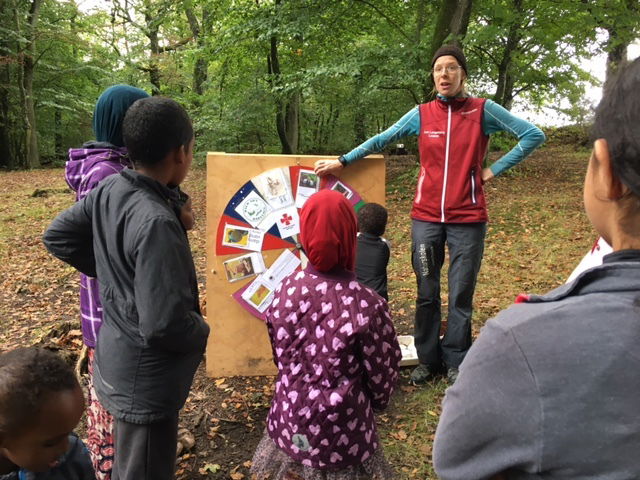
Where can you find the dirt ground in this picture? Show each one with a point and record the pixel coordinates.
(537, 234)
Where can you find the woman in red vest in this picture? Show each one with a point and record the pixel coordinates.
(449, 206)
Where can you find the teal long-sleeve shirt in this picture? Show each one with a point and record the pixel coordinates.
(495, 119)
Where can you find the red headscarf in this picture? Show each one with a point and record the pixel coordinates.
(328, 229)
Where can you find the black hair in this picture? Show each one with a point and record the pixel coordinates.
(153, 127)
(372, 218)
(27, 376)
(617, 120)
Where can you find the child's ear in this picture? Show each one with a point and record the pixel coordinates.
(181, 153)
(611, 186)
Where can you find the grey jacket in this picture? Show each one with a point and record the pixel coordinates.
(127, 234)
(551, 387)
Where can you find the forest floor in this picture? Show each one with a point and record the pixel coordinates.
(537, 233)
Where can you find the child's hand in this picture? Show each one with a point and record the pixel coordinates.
(186, 216)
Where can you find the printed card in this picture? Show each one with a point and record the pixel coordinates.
(253, 209)
(288, 221)
(258, 294)
(308, 184)
(245, 266)
(343, 189)
(283, 266)
(242, 237)
(275, 187)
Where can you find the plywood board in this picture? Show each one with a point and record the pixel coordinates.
(239, 343)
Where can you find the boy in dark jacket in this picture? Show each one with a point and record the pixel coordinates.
(127, 233)
(372, 254)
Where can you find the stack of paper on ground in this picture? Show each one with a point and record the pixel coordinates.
(259, 293)
(408, 350)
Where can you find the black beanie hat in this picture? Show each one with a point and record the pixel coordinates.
(454, 52)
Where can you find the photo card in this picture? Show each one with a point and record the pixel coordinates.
(275, 187)
(242, 237)
(258, 294)
(343, 189)
(245, 266)
(308, 184)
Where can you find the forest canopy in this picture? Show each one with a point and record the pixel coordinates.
(290, 76)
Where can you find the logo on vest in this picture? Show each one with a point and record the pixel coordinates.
(469, 112)
(433, 133)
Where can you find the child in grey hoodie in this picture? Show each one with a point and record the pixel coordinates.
(550, 388)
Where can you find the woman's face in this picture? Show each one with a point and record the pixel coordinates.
(448, 76)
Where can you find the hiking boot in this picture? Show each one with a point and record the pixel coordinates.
(452, 375)
(422, 374)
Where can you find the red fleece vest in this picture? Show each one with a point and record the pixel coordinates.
(452, 146)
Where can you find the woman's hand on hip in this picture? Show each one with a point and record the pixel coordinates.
(487, 175)
(325, 167)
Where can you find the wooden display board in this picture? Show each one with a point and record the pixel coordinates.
(239, 343)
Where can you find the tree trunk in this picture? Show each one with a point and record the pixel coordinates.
(273, 65)
(359, 120)
(451, 28)
(154, 51)
(508, 94)
(504, 90)
(292, 121)
(33, 156)
(616, 55)
(6, 154)
(200, 32)
(287, 105)
(620, 36)
(57, 120)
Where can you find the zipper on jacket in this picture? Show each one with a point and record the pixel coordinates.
(420, 182)
(473, 186)
(446, 165)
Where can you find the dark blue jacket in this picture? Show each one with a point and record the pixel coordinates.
(74, 465)
(372, 258)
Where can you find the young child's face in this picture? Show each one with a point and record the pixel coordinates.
(39, 446)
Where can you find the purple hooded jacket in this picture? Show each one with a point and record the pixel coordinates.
(334, 345)
(86, 168)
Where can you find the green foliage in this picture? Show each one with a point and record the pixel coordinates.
(577, 135)
(502, 142)
(356, 66)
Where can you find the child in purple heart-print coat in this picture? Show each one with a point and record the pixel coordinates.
(337, 356)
